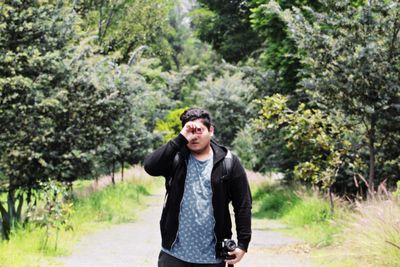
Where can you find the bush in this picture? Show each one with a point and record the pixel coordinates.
(310, 210)
(273, 201)
(171, 125)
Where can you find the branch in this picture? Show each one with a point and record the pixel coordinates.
(393, 244)
(108, 22)
(4, 213)
(366, 183)
(396, 29)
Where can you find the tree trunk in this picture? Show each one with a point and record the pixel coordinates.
(371, 147)
(331, 200)
(18, 214)
(11, 208)
(113, 173)
(122, 171)
(6, 227)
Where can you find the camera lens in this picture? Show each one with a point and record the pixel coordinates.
(230, 245)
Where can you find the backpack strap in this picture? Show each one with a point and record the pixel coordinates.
(227, 165)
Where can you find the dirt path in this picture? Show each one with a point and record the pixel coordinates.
(137, 245)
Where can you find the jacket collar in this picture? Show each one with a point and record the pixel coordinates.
(219, 151)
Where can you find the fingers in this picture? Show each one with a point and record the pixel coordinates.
(238, 256)
(189, 130)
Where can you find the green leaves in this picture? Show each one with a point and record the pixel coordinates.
(351, 58)
(317, 141)
(226, 26)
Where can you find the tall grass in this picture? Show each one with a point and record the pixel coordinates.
(366, 236)
(371, 236)
(113, 204)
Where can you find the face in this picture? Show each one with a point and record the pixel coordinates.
(202, 137)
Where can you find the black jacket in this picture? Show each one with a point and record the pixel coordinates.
(235, 189)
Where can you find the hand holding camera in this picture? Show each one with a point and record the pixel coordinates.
(230, 252)
(228, 245)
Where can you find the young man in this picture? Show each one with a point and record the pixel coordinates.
(200, 184)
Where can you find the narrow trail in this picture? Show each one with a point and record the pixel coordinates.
(137, 244)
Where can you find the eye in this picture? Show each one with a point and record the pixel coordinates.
(199, 130)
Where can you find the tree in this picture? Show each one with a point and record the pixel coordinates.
(228, 99)
(226, 26)
(122, 26)
(352, 61)
(319, 141)
(34, 38)
(279, 51)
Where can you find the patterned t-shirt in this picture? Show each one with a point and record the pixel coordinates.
(196, 240)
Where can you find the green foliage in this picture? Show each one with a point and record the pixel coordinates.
(279, 52)
(63, 104)
(110, 205)
(244, 148)
(227, 98)
(351, 58)
(309, 211)
(307, 215)
(171, 126)
(56, 212)
(397, 192)
(33, 45)
(273, 201)
(121, 27)
(225, 25)
(319, 142)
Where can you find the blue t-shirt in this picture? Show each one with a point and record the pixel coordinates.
(195, 241)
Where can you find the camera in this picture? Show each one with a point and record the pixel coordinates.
(228, 245)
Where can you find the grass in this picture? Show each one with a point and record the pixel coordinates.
(111, 205)
(272, 201)
(371, 237)
(306, 214)
(368, 235)
(311, 220)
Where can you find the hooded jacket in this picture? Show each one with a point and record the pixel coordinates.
(234, 188)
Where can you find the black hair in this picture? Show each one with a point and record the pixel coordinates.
(192, 114)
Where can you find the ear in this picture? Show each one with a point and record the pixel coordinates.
(211, 131)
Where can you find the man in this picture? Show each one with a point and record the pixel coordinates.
(195, 219)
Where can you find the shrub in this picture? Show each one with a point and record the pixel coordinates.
(310, 210)
(273, 201)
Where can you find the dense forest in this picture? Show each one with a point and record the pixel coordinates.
(309, 89)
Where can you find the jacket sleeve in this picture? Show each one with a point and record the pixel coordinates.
(160, 161)
(242, 203)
